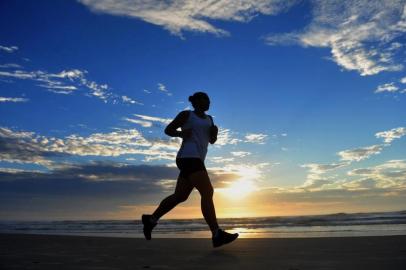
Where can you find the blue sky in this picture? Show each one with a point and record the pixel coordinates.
(309, 96)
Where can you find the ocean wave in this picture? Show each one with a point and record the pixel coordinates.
(330, 222)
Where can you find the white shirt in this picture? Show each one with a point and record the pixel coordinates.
(196, 145)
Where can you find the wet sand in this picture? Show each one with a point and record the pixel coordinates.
(23, 251)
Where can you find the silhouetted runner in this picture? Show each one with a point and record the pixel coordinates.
(197, 130)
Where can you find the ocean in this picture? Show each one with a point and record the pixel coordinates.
(332, 225)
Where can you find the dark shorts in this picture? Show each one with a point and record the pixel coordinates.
(189, 165)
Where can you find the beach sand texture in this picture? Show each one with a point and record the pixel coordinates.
(19, 251)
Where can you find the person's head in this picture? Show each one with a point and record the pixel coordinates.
(200, 101)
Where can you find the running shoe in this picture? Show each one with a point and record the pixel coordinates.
(148, 226)
(223, 238)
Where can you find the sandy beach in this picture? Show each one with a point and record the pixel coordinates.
(22, 251)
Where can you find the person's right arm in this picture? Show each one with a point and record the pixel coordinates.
(179, 121)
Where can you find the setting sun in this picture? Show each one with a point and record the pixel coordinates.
(238, 189)
(244, 185)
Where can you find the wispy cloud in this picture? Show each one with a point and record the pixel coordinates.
(362, 35)
(361, 153)
(390, 135)
(229, 137)
(387, 87)
(189, 15)
(392, 87)
(387, 175)
(154, 118)
(162, 88)
(323, 168)
(127, 99)
(219, 159)
(10, 65)
(387, 179)
(142, 123)
(226, 136)
(9, 49)
(316, 177)
(29, 147)
(9, 99)
(256, 138)
(148, 121)
(21, 74)
(240, 153)
(64, 82)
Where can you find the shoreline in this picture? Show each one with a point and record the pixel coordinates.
(33, 251)
(206, 234)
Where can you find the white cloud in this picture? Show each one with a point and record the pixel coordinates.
(171, 144)
(20, 74)
(225, 136)
(387, 87)
(189, 15)
(64, 82)
(60, 89)
(403, 80)
(10, 65)
(70, 74)
(10, 49)
(130, 100)
(240, 153)
(360, 184)
(282, 39)
(56, 86)
(323, 168)
(8, 133)
(97, 90)
(28, 147)
(16, 171)
(142, 123)
(362, 35)
(220, 159)
(316, 178)
(361, 153)
(392, 134)
(389, 174)
(256, 138)
(162, 88)
(154, 118)
(8, 99)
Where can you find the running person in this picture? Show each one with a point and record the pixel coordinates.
(197, 130)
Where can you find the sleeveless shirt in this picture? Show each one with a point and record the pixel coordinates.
(196, 145)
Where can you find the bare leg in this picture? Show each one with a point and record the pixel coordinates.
(201, 181)
(182, 191)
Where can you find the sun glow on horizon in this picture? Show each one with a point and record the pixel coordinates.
(244, 185)
(239, 189)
